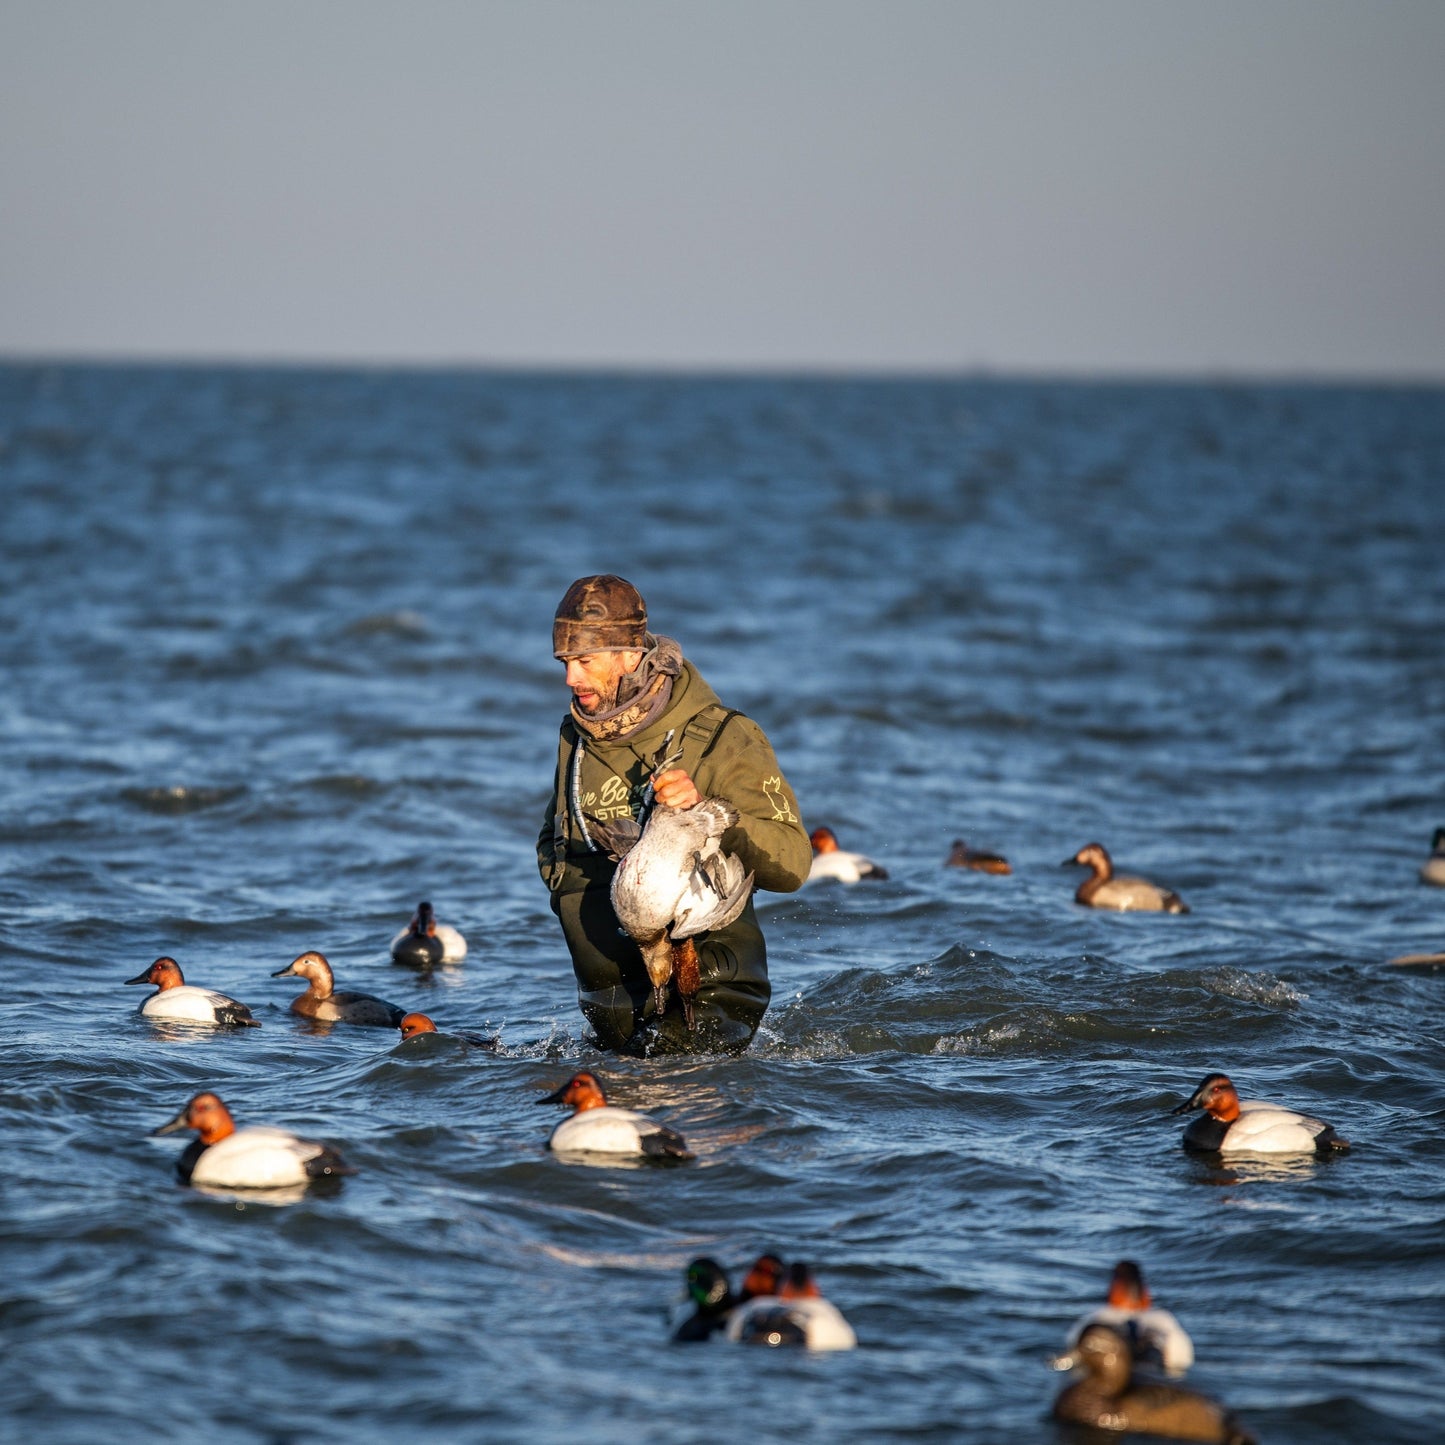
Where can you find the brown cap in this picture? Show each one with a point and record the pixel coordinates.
(600, 614)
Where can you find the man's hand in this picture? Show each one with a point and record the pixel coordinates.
(675, 789)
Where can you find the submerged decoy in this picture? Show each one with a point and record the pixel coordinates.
(962, 856)
(321, 1001)
(414, 1025)
(796, 1315)
(424, 941)
(182, 1002)
(1107, 1398)
(1127, 895)
(1155, 1337)
(673, 881)
(1231, 1125)
(251, 1158)
(831, 861)
(1433, 869)
(597, 1127)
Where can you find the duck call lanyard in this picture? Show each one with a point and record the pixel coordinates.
(664, 761)
(707, 725)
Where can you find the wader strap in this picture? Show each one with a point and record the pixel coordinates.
(705, 727)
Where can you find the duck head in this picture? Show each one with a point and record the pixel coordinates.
(707, 1284)
(581, 1091)
(1127, 1290)
(1092, 855)
(823, 840)
(799, 1284)
(1216, 1096)
(764, 1277)
(1103, 1354)
(313, 967)
(414, 1024)
(164, 973)
(207, 1115)
(424, 923)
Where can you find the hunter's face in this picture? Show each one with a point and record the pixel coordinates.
(594, 677)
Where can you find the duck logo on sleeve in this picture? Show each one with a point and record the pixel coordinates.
(782, 809)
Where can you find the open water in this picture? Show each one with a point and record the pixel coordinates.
(276, 666)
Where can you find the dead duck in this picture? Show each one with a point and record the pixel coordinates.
(1126, 895)
(673, 881)
(1108, 1399)
(962, 856)
(321, 1001)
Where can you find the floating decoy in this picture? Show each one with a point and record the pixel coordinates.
(182, 1002)
(1231, 1125)
(1128, 895)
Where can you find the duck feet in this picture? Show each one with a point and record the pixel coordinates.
(687, 970)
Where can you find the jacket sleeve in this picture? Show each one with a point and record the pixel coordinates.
(548, 863)
(769, 836)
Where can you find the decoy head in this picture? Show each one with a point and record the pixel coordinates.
(1216, 1096)
(582, 1091)
(1127, 1290)
(311, 966)
(207, 1115)
(165, 972)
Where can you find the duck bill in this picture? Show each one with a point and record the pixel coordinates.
(179, 1122)
(1064, 1362)
(282, 972)
(1192, 1102)
(1070, 863)
(140, 977)
(556, 1097)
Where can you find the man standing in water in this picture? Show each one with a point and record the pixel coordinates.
(638, 706)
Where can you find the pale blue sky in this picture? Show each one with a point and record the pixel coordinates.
(1123, 185)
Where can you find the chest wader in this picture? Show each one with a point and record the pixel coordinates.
(617, 1000)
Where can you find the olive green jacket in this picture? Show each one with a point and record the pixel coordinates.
(726, 755)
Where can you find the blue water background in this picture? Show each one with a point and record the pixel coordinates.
(276, 659)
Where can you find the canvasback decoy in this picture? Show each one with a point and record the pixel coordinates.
(321, 1001)
(182, 1002)
(962, 856)
(712, 1300)
(831, 861)
(424, 941)
(414, 1025)
(597, 1127)
(1108, 1399)
(797, 1315)
(1433, 869)
(251, 1158)
(1231, 1125)
(674, 881)
(1155, 1337)
(763, 1278)
(1127, 895)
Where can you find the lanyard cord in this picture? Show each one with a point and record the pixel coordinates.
(574, 796)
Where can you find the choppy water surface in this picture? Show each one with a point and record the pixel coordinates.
(276, 650)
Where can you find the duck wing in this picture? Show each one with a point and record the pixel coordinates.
(619, 837)
(717, 892)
